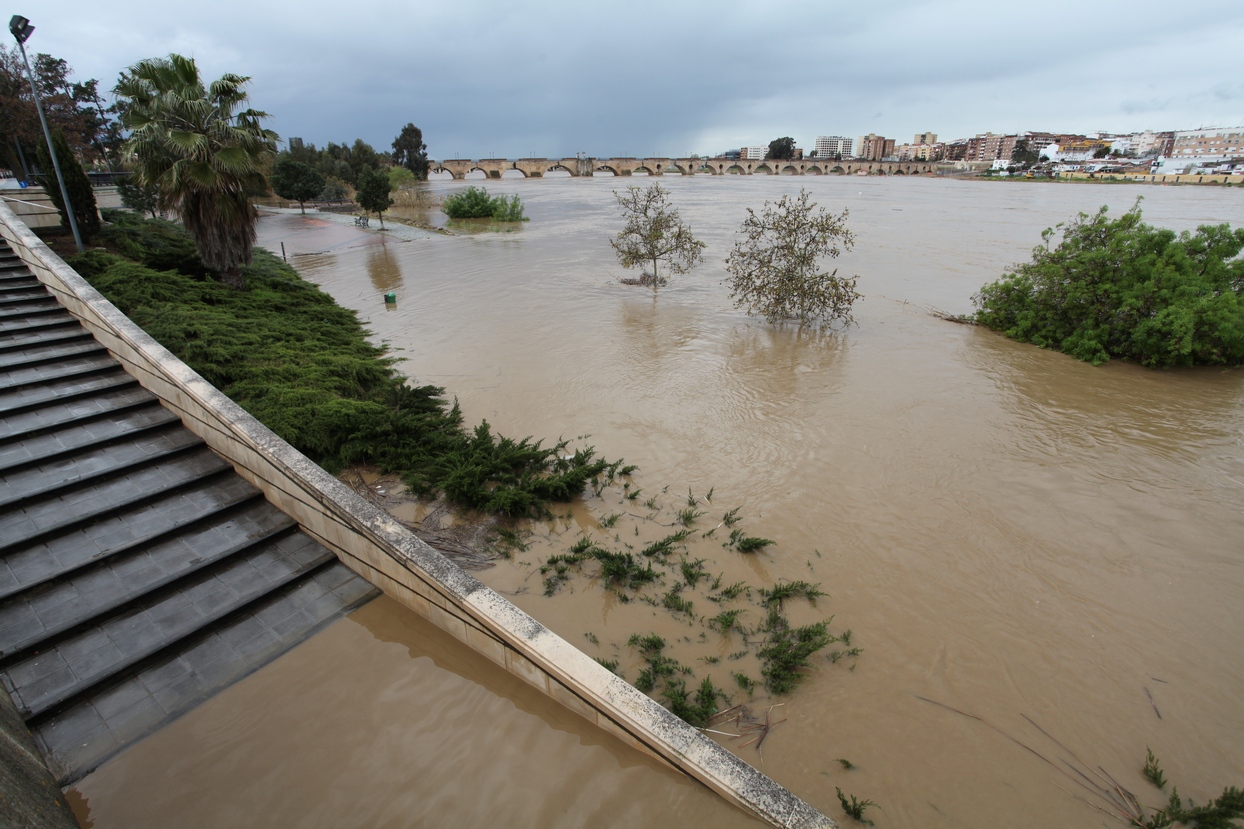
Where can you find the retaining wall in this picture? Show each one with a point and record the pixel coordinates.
(376, 546)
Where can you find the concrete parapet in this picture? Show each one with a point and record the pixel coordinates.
(379, 548)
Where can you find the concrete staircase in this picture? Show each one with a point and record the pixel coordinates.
(139, 574)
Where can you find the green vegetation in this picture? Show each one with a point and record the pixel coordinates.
(81, 196)
(475, 203)
(1121, 288)
(374, 192)
(296, 181)
(654, 232)
(301, 364)
(410, 152)
(854, 808)
(775, 267)
(203, 153)
(1153, 772)
(781, 149)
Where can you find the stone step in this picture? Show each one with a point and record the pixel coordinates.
(61, 512)
(14, 379)
(49, 319)
(47, 442)
(124, 532)
(65, 473)
(45, 335)
(47, 680)
(80, 736)
(52, 355)
(37, 618)
(32, 411)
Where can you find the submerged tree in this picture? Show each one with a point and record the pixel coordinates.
(297, 181)
(776, 267)
(654, 232)
(202, 152)
(1122, 288)
(373, 192)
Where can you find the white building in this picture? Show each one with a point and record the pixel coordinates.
(828, 146)
(755, 152)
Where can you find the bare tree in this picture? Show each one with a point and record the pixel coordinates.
(654, 232)
(776, 267)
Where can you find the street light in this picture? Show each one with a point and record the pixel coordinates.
(22, 30)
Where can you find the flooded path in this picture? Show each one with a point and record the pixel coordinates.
(1005, 530)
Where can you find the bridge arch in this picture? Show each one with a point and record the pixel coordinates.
(605, 168)
(838, 169)
(513, 172)
(558, 171)
(763, 170)
(735, 170)
(813, 170)
(790, 170)
(642, 170)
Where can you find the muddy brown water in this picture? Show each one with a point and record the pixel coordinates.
(1006, 531)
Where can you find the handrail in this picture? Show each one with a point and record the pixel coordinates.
(28, 203)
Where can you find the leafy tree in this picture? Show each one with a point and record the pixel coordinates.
(138, 197)
(410, 152)
(399, 177)
(373, 192)
(202, 152)
(1101, 152)
(776, 267)
(1122, 288)
(295, 180)
(81, 196)
(781, 149)
(1023, 155)
(334, 190)
(653, 232)
(360, 156)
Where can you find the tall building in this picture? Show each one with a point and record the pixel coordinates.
(925, 138)
(874, 147)
(754, 152)
(1217, 144)
(830, 146)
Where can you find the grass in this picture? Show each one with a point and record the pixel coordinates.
(1153, 772)
(788, 651)
(674, 602)
(752, 544)
(726, 621)
(692, 571)
(667, 545)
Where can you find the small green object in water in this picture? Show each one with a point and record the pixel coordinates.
(390, 298)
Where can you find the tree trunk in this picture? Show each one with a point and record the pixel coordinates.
(302, 207)
(233, 278)
(381, 217)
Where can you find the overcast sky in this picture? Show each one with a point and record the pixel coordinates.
(639, 78)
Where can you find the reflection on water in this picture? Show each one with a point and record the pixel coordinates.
(1006, 530)
(384, 270)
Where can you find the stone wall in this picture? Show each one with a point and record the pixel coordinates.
(373, 544)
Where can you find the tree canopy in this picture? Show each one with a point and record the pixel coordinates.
(90, 127)
(654, 232)
(203, 152)
(81, 196)
(1122, 288)
(297, 181)
(775, 268)
(410, 152)
(781, 149)
(373, 192)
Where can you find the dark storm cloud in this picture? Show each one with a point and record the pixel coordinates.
(553, 78)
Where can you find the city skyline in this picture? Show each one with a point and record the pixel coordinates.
(555, 78)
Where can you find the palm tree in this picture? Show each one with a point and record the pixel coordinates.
(203, 154)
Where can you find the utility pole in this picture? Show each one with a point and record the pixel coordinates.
(21, 29)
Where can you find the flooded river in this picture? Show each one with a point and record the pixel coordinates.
(1007, 532)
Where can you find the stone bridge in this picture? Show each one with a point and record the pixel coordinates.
(538, 167)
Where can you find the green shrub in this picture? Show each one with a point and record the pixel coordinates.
(1122, 288)
(475, 203)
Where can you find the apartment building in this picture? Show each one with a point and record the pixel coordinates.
(874, 147)
(754, 152)
(924, 138)
(830, 146)
(1218, 144)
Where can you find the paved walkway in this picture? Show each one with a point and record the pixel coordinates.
(391, 227)
(139, 574)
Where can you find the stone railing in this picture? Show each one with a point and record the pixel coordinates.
(376, 546)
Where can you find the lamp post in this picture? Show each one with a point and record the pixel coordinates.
(21, 29)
